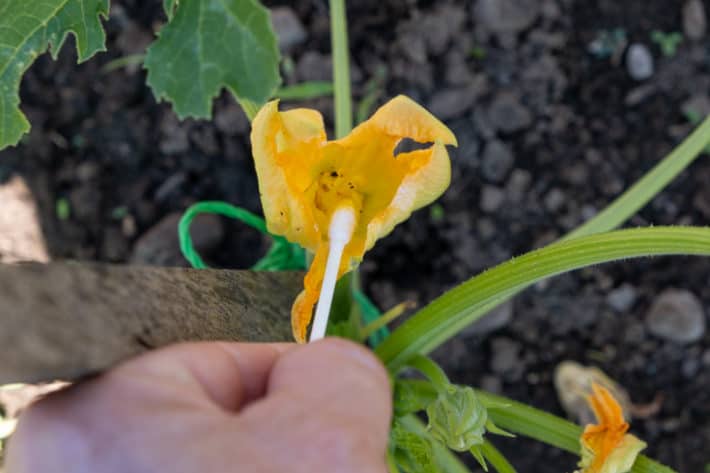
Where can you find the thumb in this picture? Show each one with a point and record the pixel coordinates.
(333, 400)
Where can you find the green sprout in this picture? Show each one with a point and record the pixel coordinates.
(667, 42)
(62, 209)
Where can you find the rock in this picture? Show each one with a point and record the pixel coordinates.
(505, 359)
(492, 321)
(457, 71)
(554, 200)
(288, 28)
(452, 103)
(482, 124)
(698, 106)
(497, 160)
(543, 81)
(160, 246)
(174, 134)
(622, 298)
(412, 44)
(550, 10)
(205, 137)
(491, 198)
(639, 62)
(132, 39)
(314, 66)
(690, 367)
(492, 384)
(486, 228)
(441, 26)
(517, 185)
(639, 94)
(169, 186)
(507, 114)
(694, 20)
(676, 315)
(231, 120)
(506, 16)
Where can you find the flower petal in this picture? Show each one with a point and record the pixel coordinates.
(404, 118)
(287, 151)
(606, 447)
(429, 177)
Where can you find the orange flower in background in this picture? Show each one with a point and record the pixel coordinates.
(606, 447)
(304, 180)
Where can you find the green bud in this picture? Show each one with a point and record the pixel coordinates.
(457, 418)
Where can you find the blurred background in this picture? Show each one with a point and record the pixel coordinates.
(558, 106)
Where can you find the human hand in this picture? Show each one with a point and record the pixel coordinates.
(216, 407)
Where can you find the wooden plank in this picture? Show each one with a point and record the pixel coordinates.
(71, 320)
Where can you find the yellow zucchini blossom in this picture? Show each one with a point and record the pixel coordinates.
(304, 180)
(606, 447)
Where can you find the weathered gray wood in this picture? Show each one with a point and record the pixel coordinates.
(69, 320)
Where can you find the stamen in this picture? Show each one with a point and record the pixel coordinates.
(342, 224)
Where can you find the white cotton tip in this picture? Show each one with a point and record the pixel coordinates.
(342, 224)
(340, 231)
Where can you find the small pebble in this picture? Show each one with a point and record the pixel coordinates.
(639, 62)
(506, 358)
(491, 198)
(506, 16)
(622, 298)
(288, 27)
(497, 161)
(676, 315)
(694, 20)
(554, 200)
(507, 114)
(494, 320)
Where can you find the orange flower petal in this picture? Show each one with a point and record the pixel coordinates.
(404, 118)
(286, 148)
(606, 447)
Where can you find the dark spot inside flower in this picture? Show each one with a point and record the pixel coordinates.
(333, 174)
(325, 187)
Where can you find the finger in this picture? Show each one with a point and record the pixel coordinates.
(335, 398)
(229, 374)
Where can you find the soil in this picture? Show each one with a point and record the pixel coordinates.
(550, 130)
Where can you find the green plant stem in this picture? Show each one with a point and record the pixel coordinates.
(431, 370)
(495, 458)
(341, 68)
(459, 307)
(123, 61)
(305, 90)
(648, 186)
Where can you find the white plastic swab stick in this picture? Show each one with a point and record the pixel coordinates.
(342, 224)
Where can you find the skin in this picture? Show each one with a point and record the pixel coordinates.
(216, 407)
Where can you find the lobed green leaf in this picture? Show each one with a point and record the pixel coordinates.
(211, 44)
(27, 29)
